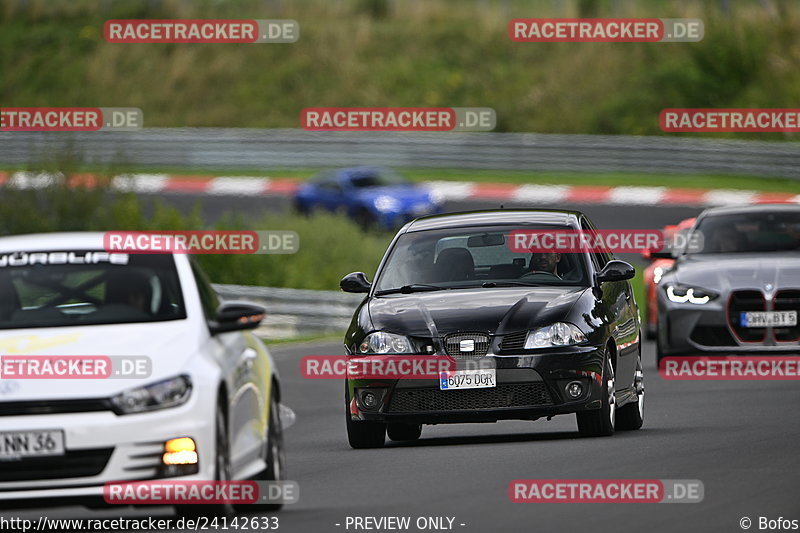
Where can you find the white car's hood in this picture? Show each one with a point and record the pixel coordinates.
(169, 345)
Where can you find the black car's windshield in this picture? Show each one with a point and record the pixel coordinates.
(474, 257)
(70, 288)
(766, 231)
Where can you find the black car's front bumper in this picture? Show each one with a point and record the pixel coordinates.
(528, 387)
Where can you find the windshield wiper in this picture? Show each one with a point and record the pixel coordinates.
(491, 284)
(408, 289)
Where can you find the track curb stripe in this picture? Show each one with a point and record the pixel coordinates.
(446, 190)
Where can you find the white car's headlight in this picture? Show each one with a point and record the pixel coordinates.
(381, 342)
(168, 393)
(558, 334)
(694, 295)
(386, 203)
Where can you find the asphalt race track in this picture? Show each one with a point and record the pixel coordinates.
(739, 438)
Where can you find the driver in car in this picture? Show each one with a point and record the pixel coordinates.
(545, 262)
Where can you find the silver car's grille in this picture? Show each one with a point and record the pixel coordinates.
(466, 345)
(742, 301)
(787, 300)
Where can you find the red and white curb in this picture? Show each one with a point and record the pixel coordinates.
(446, 190)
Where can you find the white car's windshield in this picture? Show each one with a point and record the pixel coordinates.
(69, 288)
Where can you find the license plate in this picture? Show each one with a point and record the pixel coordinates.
(468, 379)
(15, 444)
(771, 319)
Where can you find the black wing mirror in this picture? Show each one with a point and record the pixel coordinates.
(235, 316)
(615, 271)
(355, 282)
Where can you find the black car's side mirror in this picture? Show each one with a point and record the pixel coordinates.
(615, 271)
(235, 316)
(355, 282)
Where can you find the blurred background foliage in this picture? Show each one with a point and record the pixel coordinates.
(403, 53)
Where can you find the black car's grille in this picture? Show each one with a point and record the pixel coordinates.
(787, 300)
(712, 336)
(514, 341)
(74, 463)
(480, 342)
(740, 302)
(51, 407)
(429, 400)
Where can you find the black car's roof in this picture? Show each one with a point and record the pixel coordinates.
(756, 208)
(496, 216)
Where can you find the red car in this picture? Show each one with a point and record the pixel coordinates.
(652, 275)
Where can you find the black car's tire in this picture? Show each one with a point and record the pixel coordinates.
(362, 434)
(631, 417)
(403, 432)
(276, 458)
(222, 472)
(600, 422)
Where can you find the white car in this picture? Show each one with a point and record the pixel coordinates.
(207, 410)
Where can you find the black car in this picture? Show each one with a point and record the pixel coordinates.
(737, 289)
(556, 338)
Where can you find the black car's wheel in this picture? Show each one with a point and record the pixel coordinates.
(301, 208)
(403, 432)
(362, 434)
(222, 472)
(600, 422)
(650, 331)
(631, 416)
(276, 457)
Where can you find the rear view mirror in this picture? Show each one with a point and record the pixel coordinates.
(615, 271)
(235, 316)
(486, 239)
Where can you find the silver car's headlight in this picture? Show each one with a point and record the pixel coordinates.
(694, 295)
(162, 395)
(558, 334)
(380, 342)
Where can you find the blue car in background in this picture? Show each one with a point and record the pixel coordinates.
(373, 196)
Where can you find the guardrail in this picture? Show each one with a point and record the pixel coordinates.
(295, 312)
(242, 149)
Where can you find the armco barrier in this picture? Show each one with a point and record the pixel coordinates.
(256, 149)
(295, 312)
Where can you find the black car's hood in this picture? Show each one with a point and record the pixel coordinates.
(496, 310)
(740, 271)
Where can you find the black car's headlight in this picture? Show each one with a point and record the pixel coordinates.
(162, 395)
(558, 334)
(685, 293)
(380, 342)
